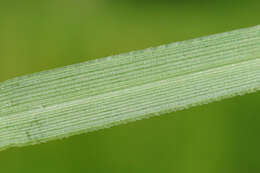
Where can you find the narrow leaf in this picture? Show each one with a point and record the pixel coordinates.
(114, 90)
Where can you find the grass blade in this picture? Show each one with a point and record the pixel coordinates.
(113, 90)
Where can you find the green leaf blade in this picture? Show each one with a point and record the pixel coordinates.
(114, 90)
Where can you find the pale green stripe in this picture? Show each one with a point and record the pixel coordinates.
(114, 90)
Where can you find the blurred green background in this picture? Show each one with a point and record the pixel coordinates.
(218, 137)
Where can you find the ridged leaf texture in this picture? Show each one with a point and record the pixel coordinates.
(108, 91)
